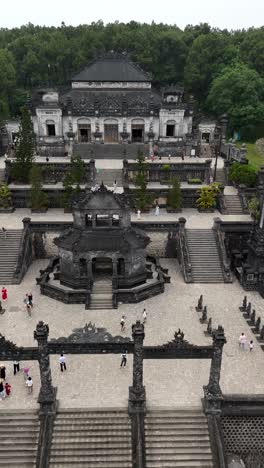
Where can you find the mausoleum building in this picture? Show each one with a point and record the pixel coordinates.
(111, 101)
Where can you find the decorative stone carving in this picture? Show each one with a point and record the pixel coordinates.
(257, 325)
(91, 334)
(213, 388)
(47, 392)
(203, 319)
(243, 308)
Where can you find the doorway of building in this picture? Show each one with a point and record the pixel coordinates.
(111, 133)
(84, 133)
(137, 133)
(102, 268)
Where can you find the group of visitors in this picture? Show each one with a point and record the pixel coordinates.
(243, 344)
(5, 387)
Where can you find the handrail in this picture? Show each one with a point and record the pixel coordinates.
(185, 258)
(222, 251)
(25, 256)
(219, 441)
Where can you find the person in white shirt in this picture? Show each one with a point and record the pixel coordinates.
(251, 345)
(62, 362)
(242, 341)
(29, 385)
(144, 316)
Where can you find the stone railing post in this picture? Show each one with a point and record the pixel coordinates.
(46, 398)
(92, 172)
(137, 399)
(212, 391)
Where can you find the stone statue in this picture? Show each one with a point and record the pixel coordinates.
(209, 326)
(257, 324)
(2, 311)
(199, 307)
(243, 308)
(204, 315)
(248, 309)
(262, 333)
(253, 317)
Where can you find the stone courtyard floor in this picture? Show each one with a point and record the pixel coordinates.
(98, 381)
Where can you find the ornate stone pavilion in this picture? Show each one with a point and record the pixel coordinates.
(111, 101)
(102, 240)
(102, 250)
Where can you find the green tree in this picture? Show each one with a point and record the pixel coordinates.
(25, 148)
(208, 55)
(5, 196)
(77, 169)
(143, 198)
(7, 81)
(174, 199)
(38, 200)
(239, 92)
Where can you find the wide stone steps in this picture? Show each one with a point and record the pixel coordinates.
(220, 176)
(110, 151)
(91, 439)
(19, 431)
(108, 176)
(204, 256)
(9, 250)
(233, 204)
(177, 439)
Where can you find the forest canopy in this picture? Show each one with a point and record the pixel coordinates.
(199, 57)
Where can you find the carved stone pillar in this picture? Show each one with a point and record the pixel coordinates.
(137, 399)
(212, 391)
(46, 399)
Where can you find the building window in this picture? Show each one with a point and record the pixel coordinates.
(50, 128)
(170, 129)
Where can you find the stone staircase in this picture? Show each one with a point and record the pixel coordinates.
(108, 176)
(109, 151)
(102, 295)
(220, 176)
(177, 439)
(233, 204)
(94, 439)
(19, 432)
(9, 249)
(204, 255)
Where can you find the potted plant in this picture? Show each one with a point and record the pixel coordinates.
(207, 199)
(174, 199)
(38, 200)
(5, 199)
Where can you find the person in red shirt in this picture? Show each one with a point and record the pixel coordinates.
(7, 389)
(4, 294)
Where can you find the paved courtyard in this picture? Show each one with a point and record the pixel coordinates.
(98, 381)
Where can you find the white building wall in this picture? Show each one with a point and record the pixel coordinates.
(182, 124)
(42, 115)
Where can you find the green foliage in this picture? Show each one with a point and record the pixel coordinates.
(254, 208)
(239, 92)
(7, 81)
(38, 200)
(25, 149)
(77, 169)
(174, 198)
(165, 167)
(5, 196)
(243, 174)
(207, 196)
(194, 181)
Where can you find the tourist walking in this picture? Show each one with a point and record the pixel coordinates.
(16, 366)
(4, 293)
(144, 316)
(251, 345)
(7, 389)
(62, 362)
(25, 372)
(157, 209)
(138, 214)
(29, 385)
(242, 341)
(122, 323)
(30, 299)
(2, 372)
(28, 307)
(115, 186)
(4, 232)
(2, 389)
(123, 359)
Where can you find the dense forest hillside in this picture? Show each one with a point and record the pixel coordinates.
(223, 70)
